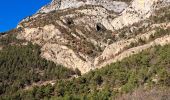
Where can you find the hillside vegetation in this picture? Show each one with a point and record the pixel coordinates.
(21, 66)
(66, 52)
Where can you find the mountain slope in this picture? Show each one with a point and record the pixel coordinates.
(144, 74)
(22, 66)
(84, 36)
(120, 47)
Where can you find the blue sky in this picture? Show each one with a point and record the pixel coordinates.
(13, 11)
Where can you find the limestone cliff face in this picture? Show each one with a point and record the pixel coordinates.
(137, 11)
(114, 5)
(85, 34)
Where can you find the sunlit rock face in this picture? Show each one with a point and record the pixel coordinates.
(86, 34)
(137, 11)
(114, 5)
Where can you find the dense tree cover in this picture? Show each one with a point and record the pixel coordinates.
(150, 68)
(21, 65)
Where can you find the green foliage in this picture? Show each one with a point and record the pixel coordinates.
(10, 38)
(114, 79)
(21, 65)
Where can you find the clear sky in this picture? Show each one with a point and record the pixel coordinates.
(13, 11)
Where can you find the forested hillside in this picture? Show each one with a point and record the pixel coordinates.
(89, 50)
(21, 65)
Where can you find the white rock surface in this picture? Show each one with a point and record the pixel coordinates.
(51, 37)
(64, 4)
(159, 41)
(65, 56)
(137, 11)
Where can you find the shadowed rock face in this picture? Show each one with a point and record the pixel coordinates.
(83, 33)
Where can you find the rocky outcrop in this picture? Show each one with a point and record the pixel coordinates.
(83, 33)
(139, 10)
(73, 37)
(121, 54)
(114, 5)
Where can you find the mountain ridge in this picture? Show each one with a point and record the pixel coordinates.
(78, 42)
(85, 51)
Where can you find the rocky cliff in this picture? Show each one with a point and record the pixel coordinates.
(88, 34)
(115, 5)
